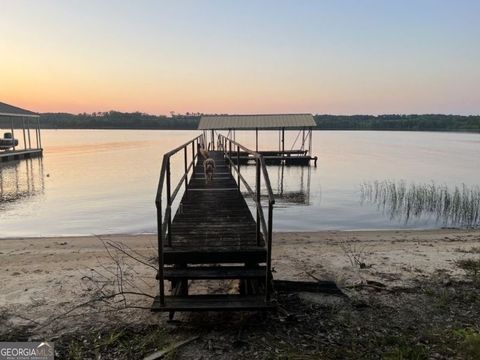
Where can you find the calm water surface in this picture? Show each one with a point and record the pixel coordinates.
(104, 181)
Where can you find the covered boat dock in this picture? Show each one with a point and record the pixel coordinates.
(15, 121)
(300, 152)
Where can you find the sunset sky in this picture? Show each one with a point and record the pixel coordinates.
(244, 56)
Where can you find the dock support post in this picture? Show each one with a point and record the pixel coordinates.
(28, 130)
(256, 139)
(39, 134)
(257, 188)
(303, 139)
(279, 140)
(13, 136)
(24, 135)
(283, 141)
(36, 135)
(213, 140)
(310, 143)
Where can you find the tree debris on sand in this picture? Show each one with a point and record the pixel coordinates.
(417, 298)
(435, 319)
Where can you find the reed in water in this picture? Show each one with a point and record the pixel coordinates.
(459, 206)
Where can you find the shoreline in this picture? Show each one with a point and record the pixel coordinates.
(48, 284)
(124, 235)
(397, 258)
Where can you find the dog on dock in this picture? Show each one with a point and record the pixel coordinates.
(208, 168)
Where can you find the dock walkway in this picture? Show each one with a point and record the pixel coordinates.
(214, 236)
(19, 154)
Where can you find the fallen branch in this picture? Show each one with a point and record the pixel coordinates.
(162, 353)
(328, 287)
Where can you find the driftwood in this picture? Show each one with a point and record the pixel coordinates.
(327, 287)
(162, 353)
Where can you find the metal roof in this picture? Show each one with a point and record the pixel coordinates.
(10, 110)
(256, 121)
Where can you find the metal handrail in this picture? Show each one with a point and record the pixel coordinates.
(261, 169)
(164, 226)
(256, 155)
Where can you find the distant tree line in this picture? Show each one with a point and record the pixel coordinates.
(398, 122)
(117, 120)
(137, 120)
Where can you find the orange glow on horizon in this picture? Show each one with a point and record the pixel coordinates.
(158, 57)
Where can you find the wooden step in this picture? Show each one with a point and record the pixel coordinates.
(212, 303)
(211, 255)
(214, 272)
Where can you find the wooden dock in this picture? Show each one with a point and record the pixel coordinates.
(19, 154)
(212, 236)
(287, 157)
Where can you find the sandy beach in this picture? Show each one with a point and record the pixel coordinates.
(40, 276)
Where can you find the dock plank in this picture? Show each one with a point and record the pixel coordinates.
(212, 302)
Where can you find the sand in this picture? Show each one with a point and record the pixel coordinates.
(43, 276)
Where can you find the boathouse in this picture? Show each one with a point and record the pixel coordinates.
(17, 141)
(300, 152)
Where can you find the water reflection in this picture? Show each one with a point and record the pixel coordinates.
(459, 206)
(299, 196)
(290, 185)
(104, 181)
(20, 180)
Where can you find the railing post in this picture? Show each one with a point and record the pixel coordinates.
(186, 166)
(269, 252)
(193, 157)
(161, 284)
(230, 155)
(257, 186)
(169, 205)
(238, 166)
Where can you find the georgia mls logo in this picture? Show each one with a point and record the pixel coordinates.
(26, 351)
(44, 349)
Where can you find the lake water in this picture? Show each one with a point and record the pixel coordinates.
(104, 181)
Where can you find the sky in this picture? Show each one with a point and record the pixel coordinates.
(243, 56)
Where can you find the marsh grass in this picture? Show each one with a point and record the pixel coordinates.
(469, 342)
(472, 250)
(459, 206)
(355, 252)
(470, 266)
